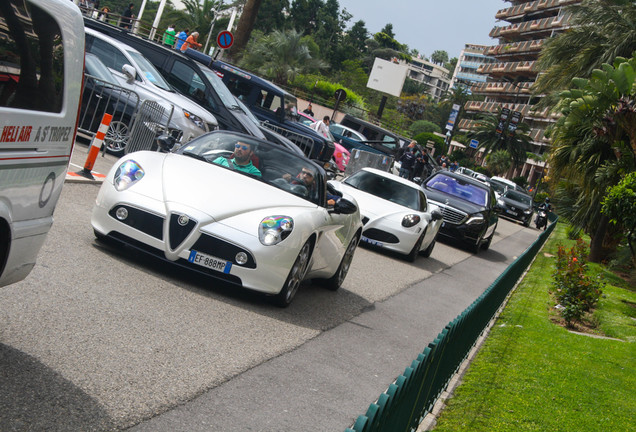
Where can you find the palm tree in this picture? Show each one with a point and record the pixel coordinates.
(601, 30)
(280, 56)
(498, 162)
(516, 143)
(594, 145)
(244, 27)
(199, 15)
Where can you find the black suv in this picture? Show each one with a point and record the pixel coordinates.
(274, 107)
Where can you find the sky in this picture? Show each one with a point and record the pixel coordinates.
(430, 25)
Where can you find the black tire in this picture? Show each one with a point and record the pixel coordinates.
(335, 281)
(429, 250)
(411, 256)
(116, 138)
(486, 245)
(295, 277)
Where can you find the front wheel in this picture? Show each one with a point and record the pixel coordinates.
(429, 250)
(335, 281)
(295, 277)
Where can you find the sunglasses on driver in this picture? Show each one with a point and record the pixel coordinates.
(241, 146)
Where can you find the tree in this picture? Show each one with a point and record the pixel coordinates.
(486, 133)
(594, 145)
(620, 206)
(244, 27)
(388, 30)
(272, 15)
(498, 162)
(439, 57)
(281, 56)
(451, 64)
(600, 31)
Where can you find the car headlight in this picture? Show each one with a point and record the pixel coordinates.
(474, 220)
(127, 174)
(194, 119)
(274, 229)
(410, 220)
(527, 211)
(500, 202)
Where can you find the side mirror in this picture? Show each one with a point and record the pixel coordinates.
(129, 71)
(436, 215)
(344, 206)
(165, 142)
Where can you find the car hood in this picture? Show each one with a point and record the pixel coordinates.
(191, 186)
(515, 203)
(374, 207)
(453, 201)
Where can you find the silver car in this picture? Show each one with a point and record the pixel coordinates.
(134, 72)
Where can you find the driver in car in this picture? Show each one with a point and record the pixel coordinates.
(306, 178)
(242, 160)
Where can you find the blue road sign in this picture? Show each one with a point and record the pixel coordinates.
(225, 39)
(473, 143)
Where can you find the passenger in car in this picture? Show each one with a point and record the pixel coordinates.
(306, 178)
(242, 160)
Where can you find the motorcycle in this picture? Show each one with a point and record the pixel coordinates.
(541, 220)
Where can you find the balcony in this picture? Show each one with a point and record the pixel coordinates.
(530, 47)
(502, 88)
(532, 7)
(529, 29)
(528, 111)
(525, 68)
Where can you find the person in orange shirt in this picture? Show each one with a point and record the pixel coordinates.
(191, 42)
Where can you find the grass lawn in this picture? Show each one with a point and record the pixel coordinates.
(534, 375)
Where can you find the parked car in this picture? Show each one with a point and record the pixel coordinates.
(341, 155)
(395, 212)
(134, 72)
(468, 207)
(377, 137)
(350, 139)
(103, 95)
(516, 205)
(187, 76)
(256, 230)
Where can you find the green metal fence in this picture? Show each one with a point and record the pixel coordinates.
(406, 402)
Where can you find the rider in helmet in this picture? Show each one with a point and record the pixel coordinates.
(546, 204)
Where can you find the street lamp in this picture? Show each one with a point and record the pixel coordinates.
(207, 42)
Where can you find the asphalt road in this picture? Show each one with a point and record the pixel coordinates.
(100, 339)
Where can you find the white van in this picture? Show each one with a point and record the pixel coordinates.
(134, 72)
(41, 75)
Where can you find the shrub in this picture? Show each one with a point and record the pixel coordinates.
(423, 138)
(575, 291)
(421, 126)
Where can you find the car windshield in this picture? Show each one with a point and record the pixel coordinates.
(459, 188)
(149, 71)
(96, 68)
(385, 188)
(271, 163)
(519, 197)
(497, 187)
(220, 88)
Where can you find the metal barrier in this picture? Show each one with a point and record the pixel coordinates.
(151, 121)
(101, 97)
(360, 159)
(406, 402)
(305, 143)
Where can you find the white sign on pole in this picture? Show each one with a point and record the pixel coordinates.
(387, 77)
